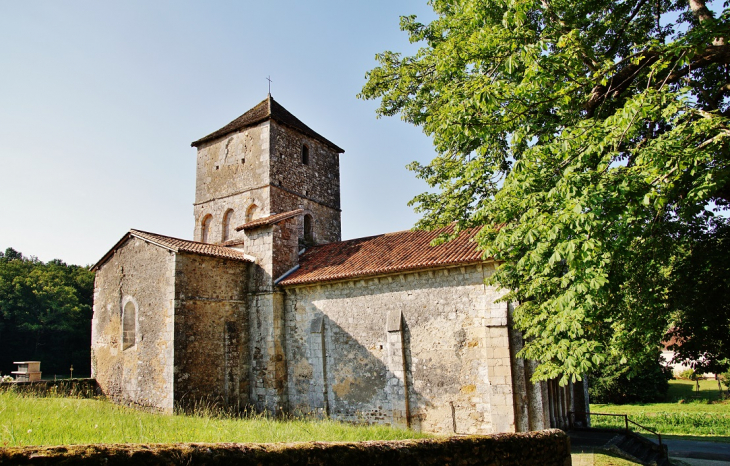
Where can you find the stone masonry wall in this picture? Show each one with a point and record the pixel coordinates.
(232, 172)
(356, 348)
(240, 204)
(318, 180)
(212, 361)
(286, 238)
(314, 187)
(326, 226)
(142, 374)
(258, 242)
(220, 169)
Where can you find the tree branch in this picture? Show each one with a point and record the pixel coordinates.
(623, 79)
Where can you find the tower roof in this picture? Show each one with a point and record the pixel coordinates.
(267, 109)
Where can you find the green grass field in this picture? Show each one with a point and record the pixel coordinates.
(28, 420)
(686, 414)
(601, 458)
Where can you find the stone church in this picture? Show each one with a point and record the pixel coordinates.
(268, 309)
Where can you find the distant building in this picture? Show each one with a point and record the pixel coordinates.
(677, 367)
(269, 309)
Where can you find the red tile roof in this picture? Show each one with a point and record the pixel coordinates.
(383, 254)
(270, 220)
(177, 245)
(267, 109)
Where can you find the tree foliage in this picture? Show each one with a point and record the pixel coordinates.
(45, 313)
(590, 138)
(613, 383)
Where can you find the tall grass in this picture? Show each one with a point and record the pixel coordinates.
(29, 420)
(672, 423)
(688, 413)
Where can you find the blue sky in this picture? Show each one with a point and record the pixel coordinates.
(99, 102)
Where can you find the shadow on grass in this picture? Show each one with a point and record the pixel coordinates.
(600, 457)
(687, 390)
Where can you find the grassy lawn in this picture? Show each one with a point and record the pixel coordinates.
(601, 458)
(686, 390)
(686, 415)
(27, 420)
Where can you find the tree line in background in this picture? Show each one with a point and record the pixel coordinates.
(591, 139)
(45, 314)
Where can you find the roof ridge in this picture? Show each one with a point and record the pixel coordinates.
(176, 245)
(270, 219)
(267, 109)
(389, 234)
(387, 253)
(171, 237)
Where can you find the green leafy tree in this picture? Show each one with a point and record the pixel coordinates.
(700, 299)
(590, 139)
(45, 313)
(614, 383)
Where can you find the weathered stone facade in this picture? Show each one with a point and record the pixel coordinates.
(211, 330)
(418, 341)
(424, 349)
(144, 275)
(191, 330)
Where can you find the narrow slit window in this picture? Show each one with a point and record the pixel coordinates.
(129, 325)
(305, 154)
(308, 230)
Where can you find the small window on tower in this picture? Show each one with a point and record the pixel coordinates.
(205, 228)
(251, 213)
(308, 230)
(227, 225)
(305, 154)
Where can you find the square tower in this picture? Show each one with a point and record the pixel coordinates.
(263, 163)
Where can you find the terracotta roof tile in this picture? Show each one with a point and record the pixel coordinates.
(232, 242)
(270, 220)
(178, 245)
(265, 110)
(383, 254)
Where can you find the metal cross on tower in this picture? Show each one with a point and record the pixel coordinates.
(268, 78)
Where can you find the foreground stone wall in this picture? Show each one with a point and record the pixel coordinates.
(546, 448)
(429, 350)
(212, 362)
(143, 274)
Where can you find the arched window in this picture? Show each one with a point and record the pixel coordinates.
(251, 213)
(305, 154)
(129, 325)
(227, 217)
(308, 230)
(205, 228)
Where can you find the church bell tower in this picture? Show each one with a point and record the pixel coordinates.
(261, 166)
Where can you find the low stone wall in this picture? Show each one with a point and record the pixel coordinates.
(543, 448)
(82, 388)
